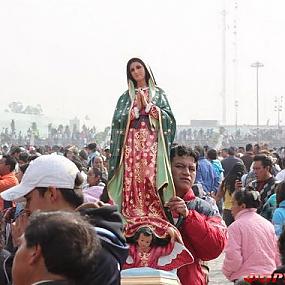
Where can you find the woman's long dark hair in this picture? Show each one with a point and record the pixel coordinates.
(280, 193)
(129, 75)
(235, 173)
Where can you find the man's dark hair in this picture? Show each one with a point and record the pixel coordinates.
(212, 154)
(76, 160)
(182, 150)
(92, 146)
(249, 147)
(24, 156)
(250, 198)
(40, 149)
(15, 149)
(74, 196)
(257, 147)
(200, 150)
(235, 173)
(265, 160)
(280, 193)
(68, 243)
(11, 161)
(206, 148)
(55, 148)
(33, 157)
(232, 150)
(83, 154)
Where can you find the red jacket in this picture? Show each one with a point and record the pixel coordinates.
(7, 181)
(204, 234)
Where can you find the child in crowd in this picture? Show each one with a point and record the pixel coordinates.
(252, 244)
(144, 241)
(147, 250)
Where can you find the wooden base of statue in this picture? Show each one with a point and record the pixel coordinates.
(148, 276)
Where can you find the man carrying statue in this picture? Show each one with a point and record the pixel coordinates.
(156, 207)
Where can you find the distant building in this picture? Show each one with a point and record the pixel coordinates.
(204, 123)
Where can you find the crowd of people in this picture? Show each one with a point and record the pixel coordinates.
(63, 134)
(247, 186)
(228, 136)
(56, 135)
(80, 214)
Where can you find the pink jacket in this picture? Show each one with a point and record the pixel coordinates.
(251, 247)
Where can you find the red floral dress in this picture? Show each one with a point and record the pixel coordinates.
(141, 205)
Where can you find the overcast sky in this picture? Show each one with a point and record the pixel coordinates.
(70, 56)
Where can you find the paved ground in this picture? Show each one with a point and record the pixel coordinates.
(216, 274)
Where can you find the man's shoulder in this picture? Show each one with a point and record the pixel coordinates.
(204, 162)
(247, 157)
(249, 153)
(279, 212)
(236, 159)
(231, 158)
(228, 159)
(202, 206)
(272, 181)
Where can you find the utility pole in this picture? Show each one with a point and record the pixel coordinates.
(235, 56)
(278, 107)
(257, 65)
(236, 114)
(224, 105)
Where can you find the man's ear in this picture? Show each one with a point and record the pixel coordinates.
(35, 254)
(52, 193)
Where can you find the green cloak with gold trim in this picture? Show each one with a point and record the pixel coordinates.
(165, 127)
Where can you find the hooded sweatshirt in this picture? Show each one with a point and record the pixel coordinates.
(113, 254)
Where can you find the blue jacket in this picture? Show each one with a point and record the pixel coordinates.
(278, 218)
(206, 175)
(219, 173)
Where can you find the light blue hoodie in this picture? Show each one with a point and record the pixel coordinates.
(278, 218)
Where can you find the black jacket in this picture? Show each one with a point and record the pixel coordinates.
(108, 263)
(4, 254)
(109, 227)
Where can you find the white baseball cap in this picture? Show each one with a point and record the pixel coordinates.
(45, 171)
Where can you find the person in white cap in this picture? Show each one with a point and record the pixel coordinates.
(53, 182)
(45, 184)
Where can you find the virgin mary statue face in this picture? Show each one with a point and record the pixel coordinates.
(137, 71)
